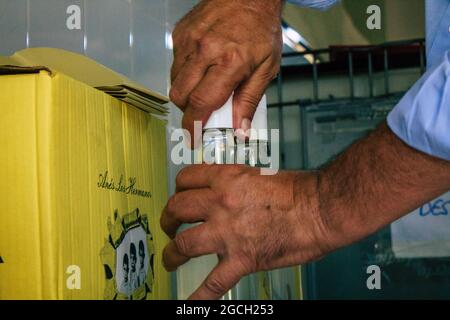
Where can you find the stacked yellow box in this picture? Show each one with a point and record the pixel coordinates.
(82, 185)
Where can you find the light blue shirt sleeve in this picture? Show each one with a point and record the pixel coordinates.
(317, 4)
(422, 117)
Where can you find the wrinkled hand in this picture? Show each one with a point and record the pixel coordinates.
(223, 46)
(252, 222)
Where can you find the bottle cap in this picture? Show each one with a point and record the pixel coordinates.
(222, 118)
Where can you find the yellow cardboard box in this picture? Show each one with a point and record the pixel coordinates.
(82, 185)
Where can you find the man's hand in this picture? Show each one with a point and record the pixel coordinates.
(251, 222)
(256, 222)
(223, 46)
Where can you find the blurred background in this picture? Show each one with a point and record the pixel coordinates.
(338, 80)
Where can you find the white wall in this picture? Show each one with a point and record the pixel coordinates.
(129, 36)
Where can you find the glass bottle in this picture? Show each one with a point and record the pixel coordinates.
(221, 146)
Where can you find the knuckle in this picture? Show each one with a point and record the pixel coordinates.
(206, 44)
(215, 285)
(269, 75)
(249, 99)
(179, 178)
(178, 29)
(234, 176)
(234, 170)
(182, 175)
(193, 35)
(165, 260)
(274, 74)
(229, 173)
(182, 244)
(228, 200)
(234, 56)
(175, 97)
(172, 205)
(198, 101)
(176, 36)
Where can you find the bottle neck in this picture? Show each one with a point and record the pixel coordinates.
(222, 146)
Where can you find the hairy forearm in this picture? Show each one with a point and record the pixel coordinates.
(376, 181)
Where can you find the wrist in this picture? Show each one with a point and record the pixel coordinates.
(312, 216)
(338, 214)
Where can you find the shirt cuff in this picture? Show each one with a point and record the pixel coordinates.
(422, 117)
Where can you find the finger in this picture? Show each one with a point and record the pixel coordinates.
(184, 44)
(248, 95)
(185, 40)
(193, 242)
(196, 176)
(223, 277)
(182, 52)
(213, 91)
(189, 206)
(188, 77)
(180, 56)
(203, 53)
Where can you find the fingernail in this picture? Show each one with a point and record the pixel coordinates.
(246, 124)
(243, 132)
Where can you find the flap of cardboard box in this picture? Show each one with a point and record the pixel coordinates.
(85, 70)
(11, 69)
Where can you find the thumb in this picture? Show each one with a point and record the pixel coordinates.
(221, 279)
(247, 97)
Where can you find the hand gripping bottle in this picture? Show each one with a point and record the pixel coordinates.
(221, 145)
